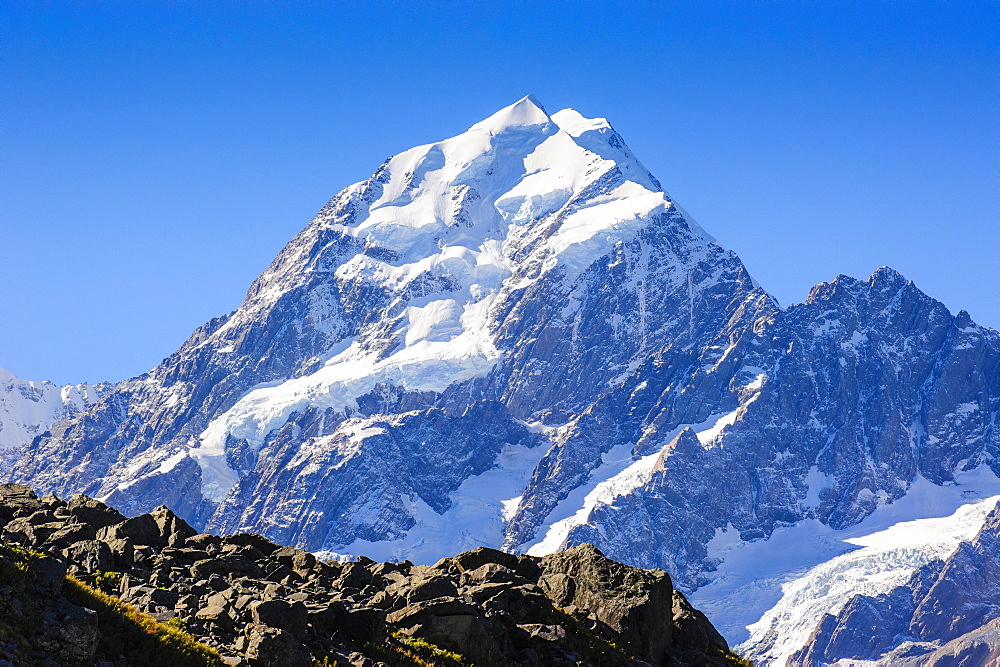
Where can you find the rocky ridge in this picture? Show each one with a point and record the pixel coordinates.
(263, 604)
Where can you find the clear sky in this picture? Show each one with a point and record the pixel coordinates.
(154, 156)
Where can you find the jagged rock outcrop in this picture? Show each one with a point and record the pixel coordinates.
(263, 604)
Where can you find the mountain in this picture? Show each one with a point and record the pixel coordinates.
(28, 409)
(515, 338)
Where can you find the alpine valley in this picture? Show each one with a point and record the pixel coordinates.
(515, 338)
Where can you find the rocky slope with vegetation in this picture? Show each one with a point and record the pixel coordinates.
(82, 584)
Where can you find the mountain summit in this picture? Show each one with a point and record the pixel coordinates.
(514, 337)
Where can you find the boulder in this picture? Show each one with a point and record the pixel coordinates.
(421, 588)
(31, 531)
(290, 616)
(298, 560)
(265, 545)
(68, 633)
(451, 624)
(139, 530)
(70, 534)
(692, 630)
(17, 500)
(90, 556)
(93, 512)
(264, 645)
(51, 502)
(471, 560)
(173, 529)
(636, 603)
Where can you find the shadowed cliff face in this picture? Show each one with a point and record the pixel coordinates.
(515, 338)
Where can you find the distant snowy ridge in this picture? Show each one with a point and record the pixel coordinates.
(29, 408)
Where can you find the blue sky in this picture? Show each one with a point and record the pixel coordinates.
(155, 156)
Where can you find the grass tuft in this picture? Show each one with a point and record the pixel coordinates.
(129, 632)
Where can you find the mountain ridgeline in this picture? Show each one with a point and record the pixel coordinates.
(515, 338)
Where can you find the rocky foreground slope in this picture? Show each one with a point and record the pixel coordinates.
(259, 603)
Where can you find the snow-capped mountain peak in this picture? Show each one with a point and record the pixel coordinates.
(493, 209)
(514, 337)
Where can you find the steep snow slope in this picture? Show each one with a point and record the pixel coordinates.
(948, 609)
(28, 409)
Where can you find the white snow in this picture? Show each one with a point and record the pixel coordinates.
(768, 595)
(619, 474)
(460, 210)
(29, 408)
(480, 509)
(817, 481)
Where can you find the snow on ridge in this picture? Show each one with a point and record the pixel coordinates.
(28, 408)
(619, 474)
(479, 511)
(459, 210)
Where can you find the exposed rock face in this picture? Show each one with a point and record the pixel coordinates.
(861, 388)
(263, 604)
(943, 603)
(636, 603)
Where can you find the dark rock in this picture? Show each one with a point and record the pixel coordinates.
(546, 633)
(292, 617)
(51, 502)
(636, 603)
(216, 613)
(265, 545)
(203, 541)
(139, 530)
(420, 611)
(472, 560)
(451, 624)
(492, 573)
(122, 550)
(298, 560)
(354, 575)
(93, 512)
(173, 529)
(263, 645)
(90, 555)
(692, 630)
(362, 624)
(421, 588)
(16, 499)
(70, 534)
(187, 555)
(32, 530)
(68, 633)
